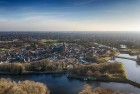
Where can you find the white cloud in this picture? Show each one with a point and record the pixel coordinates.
(48, 23)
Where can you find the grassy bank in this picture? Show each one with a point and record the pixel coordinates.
(42, 66)
(8, 86)
(99, 71)
(89, 90)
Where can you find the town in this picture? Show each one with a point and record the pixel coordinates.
(53, 50)
(76, 57)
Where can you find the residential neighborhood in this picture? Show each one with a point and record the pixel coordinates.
(26, 52)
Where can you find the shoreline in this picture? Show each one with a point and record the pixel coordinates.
(127, 81)
(31, 72)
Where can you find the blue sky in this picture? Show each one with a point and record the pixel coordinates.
(69, 15)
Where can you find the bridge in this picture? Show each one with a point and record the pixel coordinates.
(134, 59)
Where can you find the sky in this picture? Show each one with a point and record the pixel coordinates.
(70, 15)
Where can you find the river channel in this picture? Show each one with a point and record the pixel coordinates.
(60, 84)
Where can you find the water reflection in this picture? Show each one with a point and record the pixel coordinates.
(132, 67)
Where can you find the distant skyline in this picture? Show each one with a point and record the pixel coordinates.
(70, 15)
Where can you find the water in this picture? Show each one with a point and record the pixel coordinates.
(59, 84)
(132, 67)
